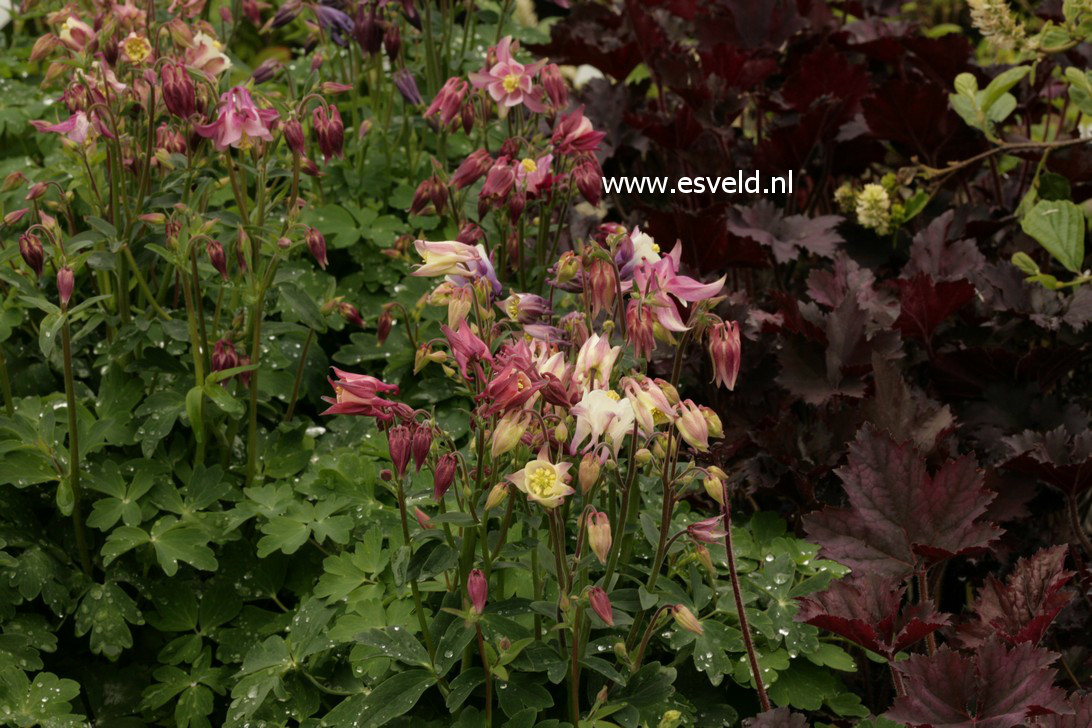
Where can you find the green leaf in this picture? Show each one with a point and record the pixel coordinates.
(393, 697)
(398, 644)
(121, 540)
(1000, 85)
(194, 402)
(174, 542)
(304, 306)
(106, 612)
(43, 702)
(521, 692)
(1059, 226)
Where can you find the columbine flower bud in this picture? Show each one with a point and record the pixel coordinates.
(685, 619)
(422, 443)
(556, 90)
(693, 426)
(330, 131)
(293, 136)
(224, 356)
(398, 444)
(13, 180)
(600, 604)
(602, 284)
(724, 351)
(392, 41)
(43, 47)
(639, 328)
(383, 326)
(472, 169)
(714, 486)
(431, 190)
(30, 247)
(713, 423)
(643, 456)
(65, 282)
(599, 536)
(178, 91)
(561, 432)
(705, 558)
(509, 431)
(443, 475)
(496, 496)
(588, 474)
(589, 181)
(217, 257)
(470, 234)
(350, 313)
(266, 70)
(669, 390)
(568, 267)
(423, 519)
(477, 589)
(407, 86)
(316, 243)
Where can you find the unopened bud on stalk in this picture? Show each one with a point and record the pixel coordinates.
(496, 496)
(383, 326)
(36, 191)
(13, 180)
(509, 432)
(443, 475)
(422, 443)
(561, 432)
(217, 257)
(477, 590)
(350, 313)
(703, 556)
(599, 536)
(685, 619)
(293, 136)
(669, 390)
(398, 444)
(30, 247)
(423, 519)
(643, 456)
(65, 283)
(588, 473)
(316, 243)
(600, 604)
(712, 421)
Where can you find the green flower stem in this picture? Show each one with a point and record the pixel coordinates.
(574, 670)
(488, 678)
(652, 625)
(199, 306)
(619, 526)
(74, 448)
(748, 643)
(299, 376)
(195, 350)
(417, 606)
(144, 289)
(5, 384)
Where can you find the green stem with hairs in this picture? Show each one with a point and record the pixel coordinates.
(74, 448)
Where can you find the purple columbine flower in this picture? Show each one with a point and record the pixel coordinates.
(407, 86)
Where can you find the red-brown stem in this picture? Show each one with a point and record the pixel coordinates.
(1075, 522)
(756, 671)
(923, 596)
(488, 679)
(896, 677)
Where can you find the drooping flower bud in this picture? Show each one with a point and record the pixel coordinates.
(713, 423)
(178, 92)
(30, 247)
(602, 284)
(407, 86)
(392, 42)
(383, 326)
(589, 180)
(556, 90)
(350, 313)
(588, 474)
(509, 431)
(422, 443)
(217, 257)
(293, 136)
(477, 590)
(496, 496)
(639, 328)
(423, 519)
(316, 243)
(470, 234)
(398, 443)
(705, 558)
(711, 530)
(224, 356)
(724, 351)
(600, 604)
(266, 70)
(472, 168)
(65, 283)
(693, 426)
(430, 191)
(443, 475)
(367, 29)
(330, 131)
(599, 536)
(685, 619)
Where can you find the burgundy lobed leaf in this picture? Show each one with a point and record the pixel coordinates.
(899, 517)
(908, 417)
(926, 304)
(1081, 717)
(1023, 607)
(777, 718)
(867, 610)
(994, 688)
(938, 252)
(785, 236)
(1057, 457)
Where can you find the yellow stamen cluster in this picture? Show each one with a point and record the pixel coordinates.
(529, 165)
(510, 82)
(541, 481)
(137, 49)
(613, 395)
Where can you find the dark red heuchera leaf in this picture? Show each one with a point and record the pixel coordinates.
(865, 609)
(829, 287)
(1021, 608)
(785, 236)
(592, 34)
(1055, 457)
(926, 303)
(938, 252)
(899, 516)
(995, 688)
(907, 416)
(777, 718)
(1081, 705)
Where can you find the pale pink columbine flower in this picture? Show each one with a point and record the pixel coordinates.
(693, 426)
(601, 415)
(508, 82)
(76, 34)
(444, 258)
(724, 351)
(239, 121)
(76, 127)
(662, 284)
(544, 482)
(650, 404)
(711, 530)
(594, 362)
(358, 394)
(207, 54)
(531, 174)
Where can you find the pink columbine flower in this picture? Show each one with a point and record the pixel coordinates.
(76, 34)
(601, 416)
(600, 604)
(724, 351)
(693, 426)
(76, 127)
(508, 82)
(509, 389)
(711, 530)
(599, 536)
(239, 121)
(358, 394)
(206, 54)
(444, 258)
(594, 362)
(532, 174)
(466, 347)
(477, 589)
(574, 133)
(399, 444)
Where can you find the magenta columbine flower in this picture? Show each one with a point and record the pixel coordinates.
(724, 350)
(477, 588)
(532, 174)
(399, 443)
(239, 121)
(76, 127)
(508, 82)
